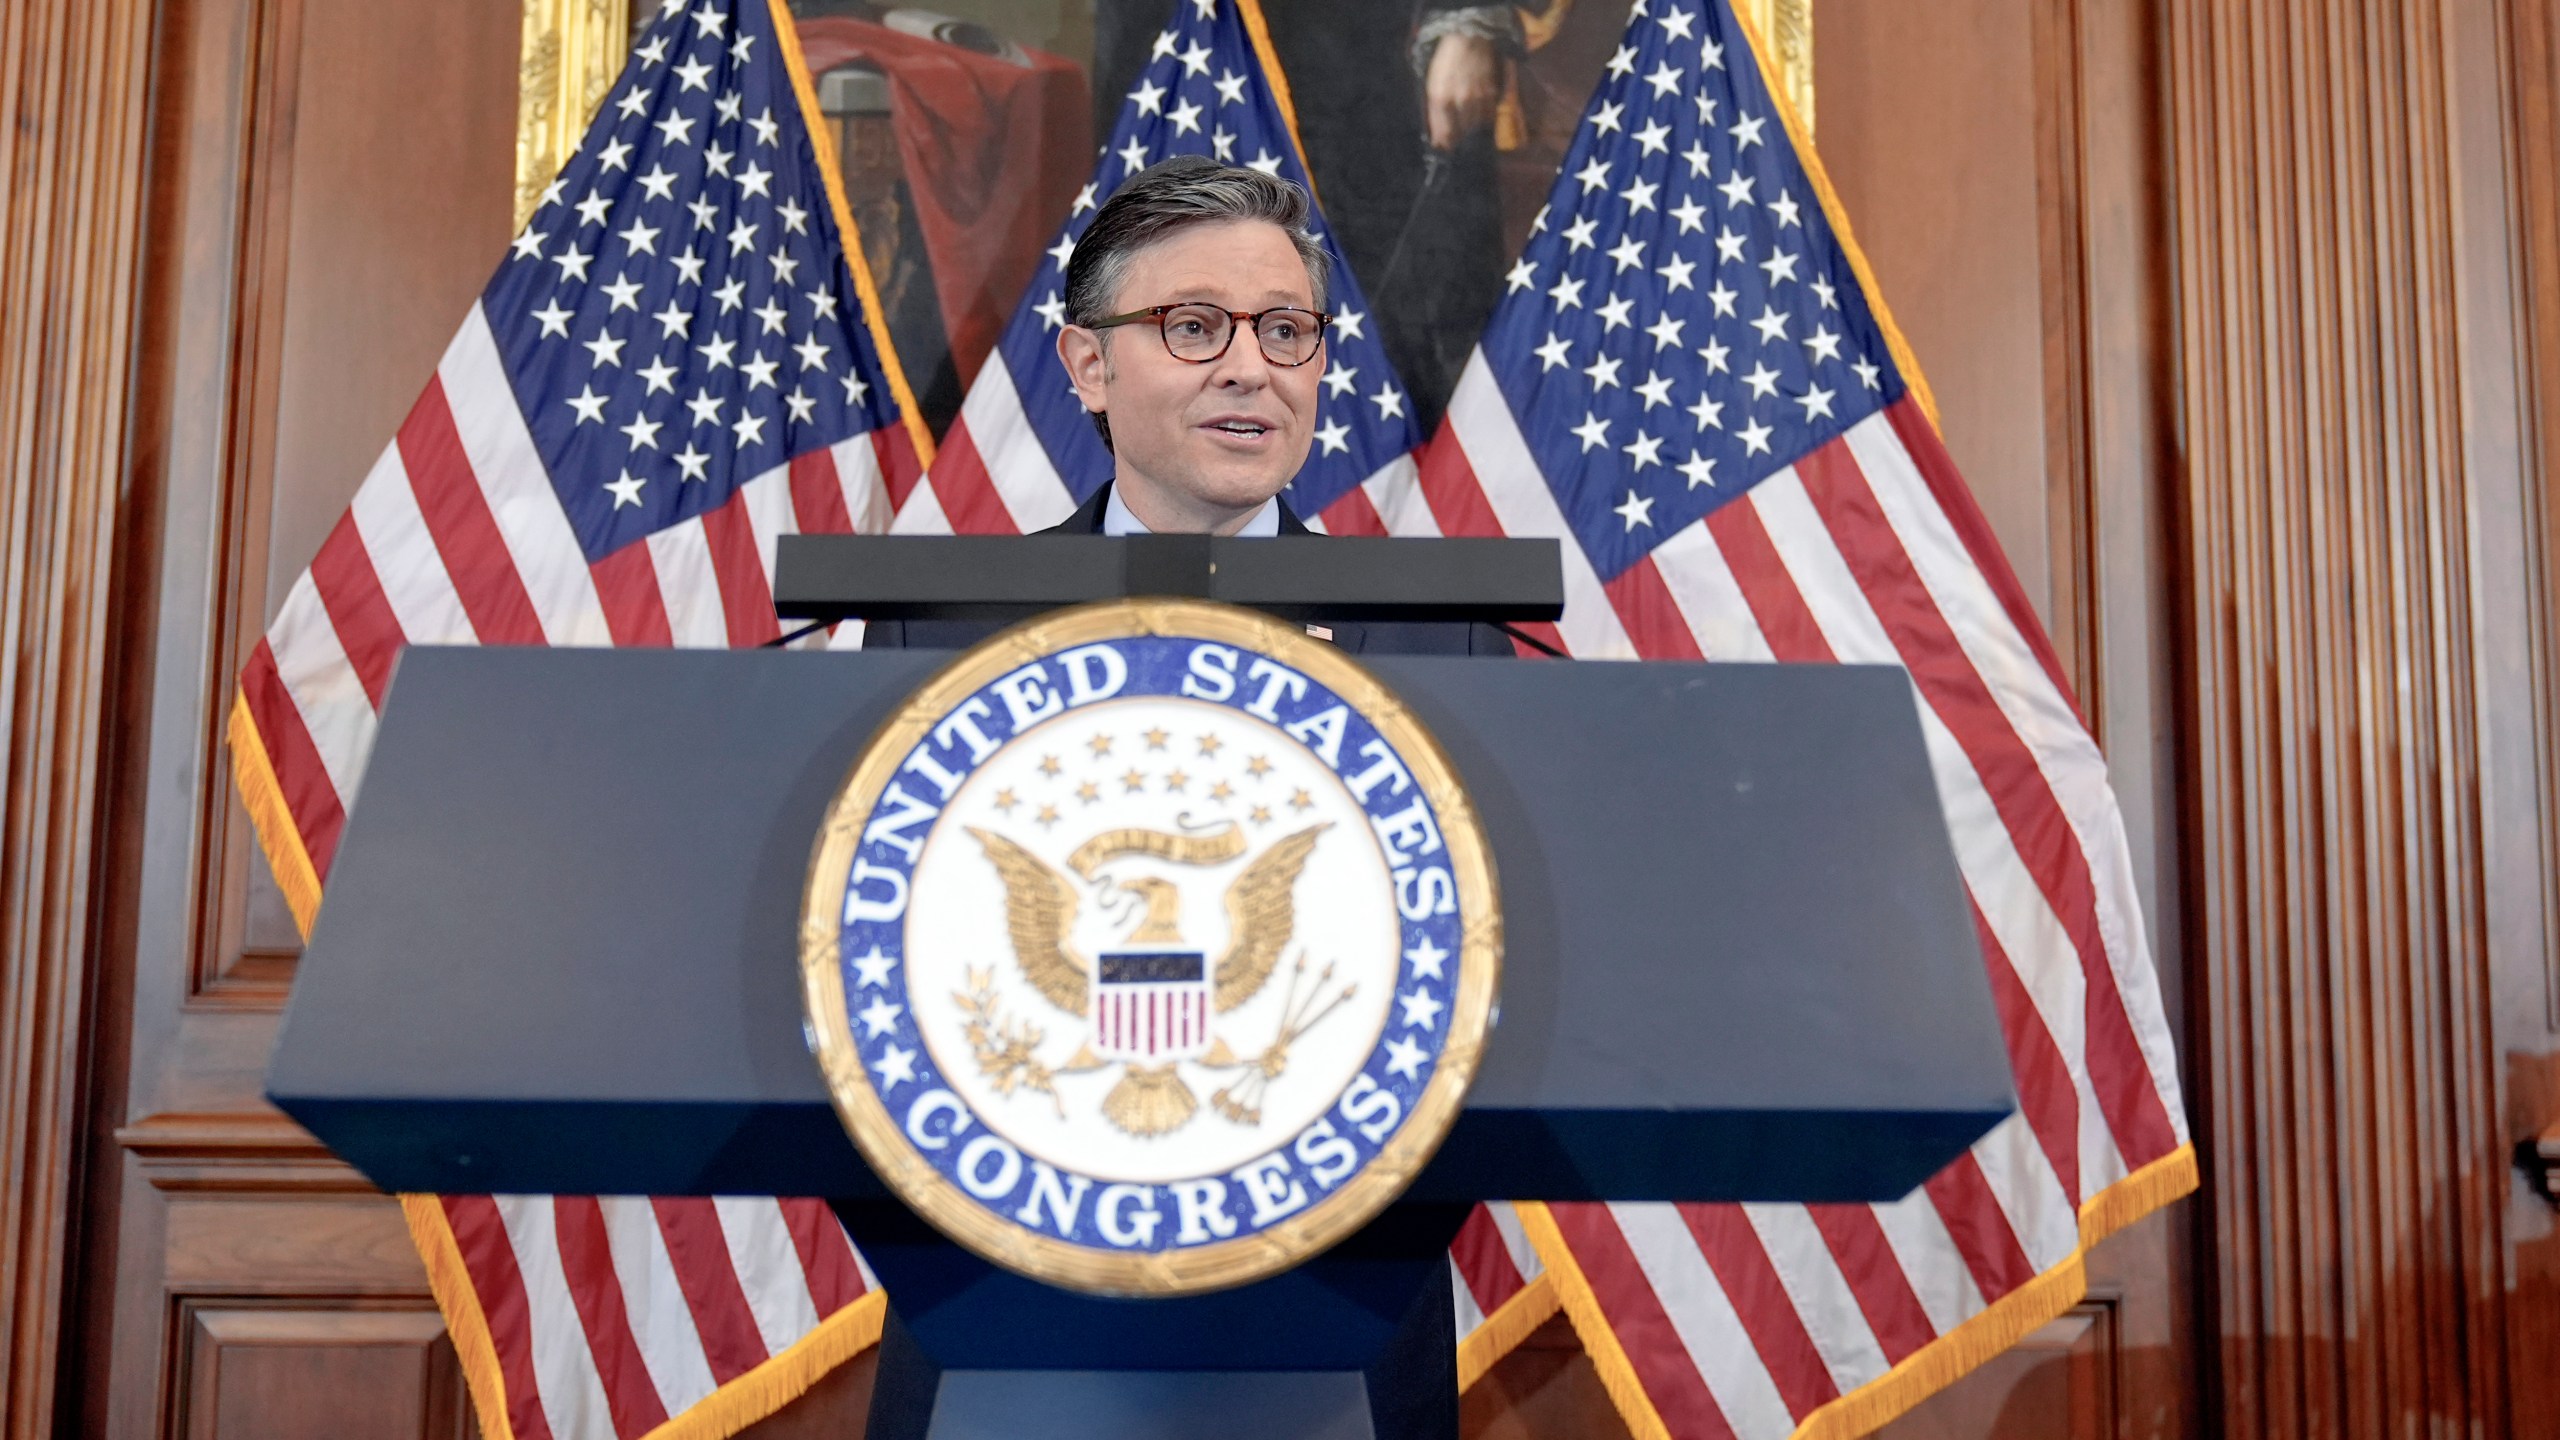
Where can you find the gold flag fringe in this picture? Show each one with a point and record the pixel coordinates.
(1510, 1323)
(1942, 1361)
(2168, 1178)
(1924, 1372)
(1591, 1323)
(754, 1396)
(278, 836)
(463, 1318)
(783, 1378)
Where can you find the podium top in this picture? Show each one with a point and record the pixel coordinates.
(1005, 578)
(559, 950)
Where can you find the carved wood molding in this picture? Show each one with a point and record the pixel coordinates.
(389, 1361)
(226, 970)
(232, 1151)
(2338, 934)
(2070, 366)
(74, 86)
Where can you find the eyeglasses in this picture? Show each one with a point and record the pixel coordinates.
(1201, 333)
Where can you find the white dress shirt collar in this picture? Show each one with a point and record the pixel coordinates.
(1118, 520)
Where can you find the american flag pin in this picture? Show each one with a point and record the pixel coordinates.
(1321, 632)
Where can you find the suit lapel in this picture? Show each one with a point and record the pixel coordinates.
(1088, 517)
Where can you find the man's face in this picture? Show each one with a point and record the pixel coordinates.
(1201, 447)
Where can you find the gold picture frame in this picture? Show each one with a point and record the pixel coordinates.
(572, 52)
(573, 49)
(1786, 27)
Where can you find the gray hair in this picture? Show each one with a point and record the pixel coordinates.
(1167, 196)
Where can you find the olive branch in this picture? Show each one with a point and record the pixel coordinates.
(1006, 1050)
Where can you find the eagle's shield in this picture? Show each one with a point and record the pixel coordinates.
(1150, 1005)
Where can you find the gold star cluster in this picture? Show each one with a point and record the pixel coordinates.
(1153, 761)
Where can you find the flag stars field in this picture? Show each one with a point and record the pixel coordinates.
(1682, 298)
(678, 155)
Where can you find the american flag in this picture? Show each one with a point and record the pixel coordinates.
(1023, 453)
(675, 364)
(1691, 377)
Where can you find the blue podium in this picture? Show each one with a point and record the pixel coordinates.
(559, 954)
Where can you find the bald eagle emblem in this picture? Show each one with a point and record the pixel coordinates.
(1151, 999)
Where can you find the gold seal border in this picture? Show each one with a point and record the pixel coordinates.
(1220, 1264)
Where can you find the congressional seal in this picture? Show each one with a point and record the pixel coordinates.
(1150, 947)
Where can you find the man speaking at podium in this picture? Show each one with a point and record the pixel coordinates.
(1195, 339)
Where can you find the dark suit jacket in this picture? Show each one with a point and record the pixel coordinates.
(1360, 637)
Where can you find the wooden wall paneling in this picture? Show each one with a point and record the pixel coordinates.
(2366, 816)
(2059, 1382)
(194, 168)
(72, 81)
(288, 1294)
(290, 1374)
(2135, 668)
(2001, 163)
(2505, 77)
(1929, 132)
(2115, 611)
(2062, 136)
(234, 962)
(2534, 84)
(329, 191)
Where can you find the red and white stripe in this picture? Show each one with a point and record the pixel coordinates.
(1741, 1320)
(456, 538)
(610, 1315)
(1491, 1261)
(1478, 478)
(990, 475)
(1145, 1022)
